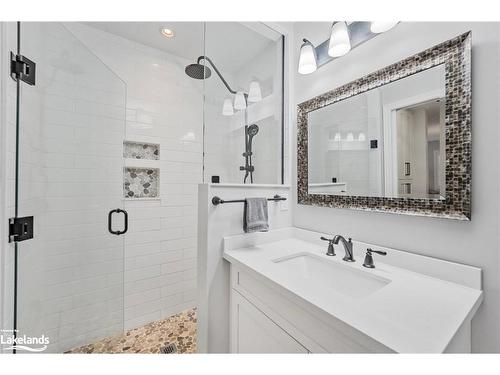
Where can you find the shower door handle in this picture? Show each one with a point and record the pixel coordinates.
(110, 221)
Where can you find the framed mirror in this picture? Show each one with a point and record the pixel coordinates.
(397, 140)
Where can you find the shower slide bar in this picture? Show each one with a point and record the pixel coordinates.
(216, 200)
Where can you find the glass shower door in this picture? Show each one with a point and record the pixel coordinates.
(70, 178)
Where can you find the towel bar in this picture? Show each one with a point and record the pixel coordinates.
(216, 200)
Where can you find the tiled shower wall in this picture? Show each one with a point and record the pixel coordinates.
(163, 106)
(225, 135)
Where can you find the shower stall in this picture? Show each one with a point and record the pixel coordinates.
(105, 136)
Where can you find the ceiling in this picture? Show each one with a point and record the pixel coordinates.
(230, 44)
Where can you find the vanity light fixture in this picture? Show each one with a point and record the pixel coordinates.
(240, 101)
(307, 58)
(361, 137)
(340, 42)
(343, 37)
(254, 92)
(337, 137)
(382, 26)
(227, 108)
(350, 137)
(167, 33)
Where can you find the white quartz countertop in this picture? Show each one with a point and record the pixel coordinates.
(413, 313)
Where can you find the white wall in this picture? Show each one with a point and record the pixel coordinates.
(163, 106)
(216, 222)
(476, 242)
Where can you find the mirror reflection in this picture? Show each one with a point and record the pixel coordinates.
(386, 142)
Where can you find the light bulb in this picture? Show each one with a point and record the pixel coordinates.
(240, 101)
(350, 137)
(340, 43)
(337, 137)
(382, 26)
(361, 137)
(254, 92)
(227, 108)
(307, 58)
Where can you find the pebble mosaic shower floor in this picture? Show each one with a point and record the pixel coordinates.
(177, 329)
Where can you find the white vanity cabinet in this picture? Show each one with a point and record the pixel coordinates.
(287, 296)
(254, 332)
(264, 320)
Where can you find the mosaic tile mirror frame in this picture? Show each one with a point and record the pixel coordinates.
(455, 54)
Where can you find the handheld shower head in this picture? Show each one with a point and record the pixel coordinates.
(198, 71)
(252, 130)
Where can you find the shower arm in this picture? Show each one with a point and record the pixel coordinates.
(220, 75)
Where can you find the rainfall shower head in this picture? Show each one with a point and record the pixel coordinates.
(252, 130)
(198, 71)
(201, 71)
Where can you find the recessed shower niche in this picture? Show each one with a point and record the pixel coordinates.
(139, 150)
(141, 182)
(141, 174)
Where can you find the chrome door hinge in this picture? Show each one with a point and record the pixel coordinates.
(22, 68)
(20, 228)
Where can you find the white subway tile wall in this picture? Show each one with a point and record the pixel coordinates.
(225, 135)
(78, 283)
(165, 107)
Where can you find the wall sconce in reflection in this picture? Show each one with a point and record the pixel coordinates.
(227, 108)
(240, 101)
(254, 92)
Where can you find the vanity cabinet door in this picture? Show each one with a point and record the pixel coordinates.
(253, 332)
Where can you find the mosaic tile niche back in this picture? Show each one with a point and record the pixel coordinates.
(141, 183)
(136, 150)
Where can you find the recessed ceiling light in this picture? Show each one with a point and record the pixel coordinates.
(166, 32)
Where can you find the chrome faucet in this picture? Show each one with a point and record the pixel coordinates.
(349, 256)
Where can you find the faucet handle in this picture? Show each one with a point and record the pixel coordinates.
(368, 263)
(331, 250)
(376, 251)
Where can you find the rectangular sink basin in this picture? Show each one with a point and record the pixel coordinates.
(326, 274)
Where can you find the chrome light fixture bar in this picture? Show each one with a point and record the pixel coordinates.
(382, 26)
(359, 32)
